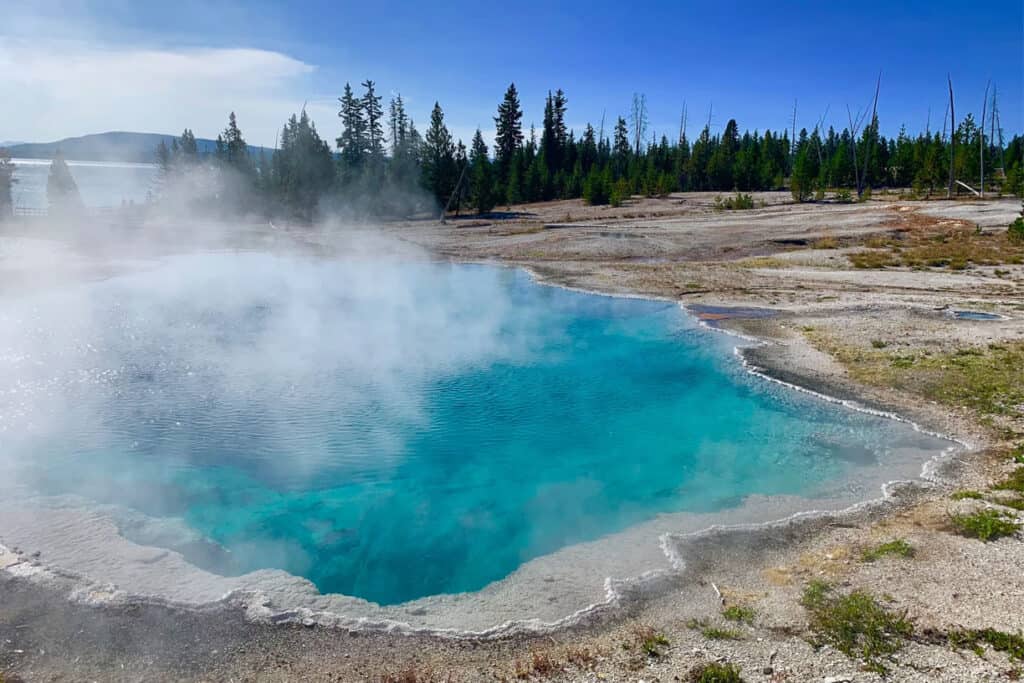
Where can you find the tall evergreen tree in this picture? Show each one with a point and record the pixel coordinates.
(61, 189)
(481, 182)
(352, 141)
(235, 151)
(438, 158)
(373, 114)
(303, 168)
(508, 137)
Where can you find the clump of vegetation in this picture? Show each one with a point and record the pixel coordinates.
(1016, 230)
(843, 196)
(1010, 643)
(740, 202)
(1014, 482)
(1017, 454)
(872, 259)
(712, 632)
(895, 548)
(967, 495)
(648, 640)
(879, 344)
(986, 525)
(855, 624)
(739, 613)
(652, 644)
(713, 672)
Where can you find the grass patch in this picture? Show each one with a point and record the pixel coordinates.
(1017, 454)
(855, 624)
(716, 633)
(986, 525)
(954, 248)
(967, 495)
(712, 632)
(988, 380)
(974, 639)
(1014, 482)
(739, 613)
(714, 672)
(878, 344)
(873, 259)
(762, 262)
(895, 548)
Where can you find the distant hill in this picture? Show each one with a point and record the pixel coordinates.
(113, 146)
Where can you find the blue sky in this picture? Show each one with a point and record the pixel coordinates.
(164, 66)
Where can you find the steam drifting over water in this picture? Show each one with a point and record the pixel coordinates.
(393, 428)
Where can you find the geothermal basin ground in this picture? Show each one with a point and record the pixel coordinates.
(839, 326)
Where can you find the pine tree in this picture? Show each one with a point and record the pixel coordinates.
(508, 136)
(481, 183)
(61, 189)
(438, 158)
(352, 141)
(6, 185)
(398, 123)
(621, 148)
(303, 168)
(235, 151)
(373, 114)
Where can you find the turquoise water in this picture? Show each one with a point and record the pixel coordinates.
(396, 430)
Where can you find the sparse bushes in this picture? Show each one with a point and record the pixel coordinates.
(986, 525)
(741, 202)
(1016, 230)
(713, 632)
(855, 624)
(895, 548)
(739, 613)
(1010, 643)
(713, 672)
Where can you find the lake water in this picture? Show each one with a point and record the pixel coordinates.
(393, 430)
(101, 184)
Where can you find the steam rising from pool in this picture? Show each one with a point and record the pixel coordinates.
(393, 428)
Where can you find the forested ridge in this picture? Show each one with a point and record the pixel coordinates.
(382, 164)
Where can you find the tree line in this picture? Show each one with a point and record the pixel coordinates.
(380, 164)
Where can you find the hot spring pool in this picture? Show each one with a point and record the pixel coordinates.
(394, 430)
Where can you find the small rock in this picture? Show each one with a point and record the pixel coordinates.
(768, 671)
(837, 679)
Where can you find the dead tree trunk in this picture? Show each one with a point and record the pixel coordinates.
(981, 134)
(871, 133)
(853, 148)
(952, 137)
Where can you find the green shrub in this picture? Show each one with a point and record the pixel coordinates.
(739, 613)
(986, 525)
(1010, 643)
(897, 547)
(967, 495)
(740, 202)
(714, 672)
(652, 643)
(844, 196)
(1016, 230)
(855, 624)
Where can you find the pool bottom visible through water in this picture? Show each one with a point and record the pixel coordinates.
(395, 430)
